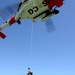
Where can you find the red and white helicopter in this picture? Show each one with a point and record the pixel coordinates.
(34, 10)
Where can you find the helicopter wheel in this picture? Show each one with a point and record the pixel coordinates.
(19, 22)
(55, 11)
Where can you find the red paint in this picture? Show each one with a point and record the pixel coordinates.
(60, 3)
(52, 3)
(2, 35)
(12, 20)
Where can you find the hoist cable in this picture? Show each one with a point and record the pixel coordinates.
(31, 40)
(31, 44)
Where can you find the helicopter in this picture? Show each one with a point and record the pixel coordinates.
(34, 10)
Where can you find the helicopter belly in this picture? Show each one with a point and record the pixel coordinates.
(32, 9)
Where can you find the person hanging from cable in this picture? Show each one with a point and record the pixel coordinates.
(29, 72)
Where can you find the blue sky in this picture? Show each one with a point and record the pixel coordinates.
(51, 53)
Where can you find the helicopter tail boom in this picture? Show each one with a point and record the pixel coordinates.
(6, 24)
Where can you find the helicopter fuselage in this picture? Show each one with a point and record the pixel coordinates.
(34, 10)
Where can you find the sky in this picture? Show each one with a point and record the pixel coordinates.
(50, 53)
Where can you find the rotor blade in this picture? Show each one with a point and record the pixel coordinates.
(8, 11)
(50, 26)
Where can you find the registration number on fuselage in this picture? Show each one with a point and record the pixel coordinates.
(35, 8)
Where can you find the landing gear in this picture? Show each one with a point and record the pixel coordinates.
(19, 22)
(55, 11)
